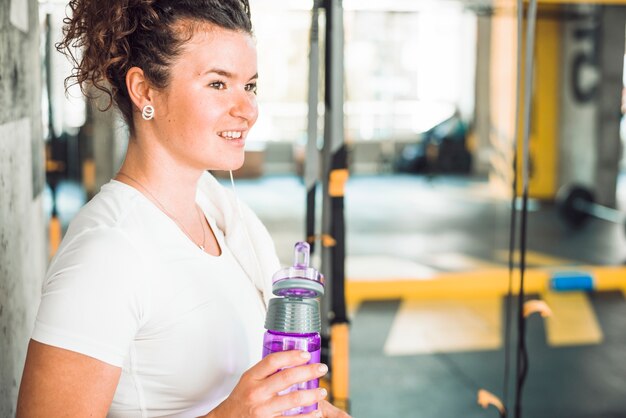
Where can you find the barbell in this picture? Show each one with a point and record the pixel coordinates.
(576, 205)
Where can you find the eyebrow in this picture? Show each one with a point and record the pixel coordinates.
(225, 73)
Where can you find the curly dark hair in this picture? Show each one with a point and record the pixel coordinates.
(115, 35)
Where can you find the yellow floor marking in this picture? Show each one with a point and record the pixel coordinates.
(535, 259)
(436, 313)
(351, 309)
(445, 326)
(573, 320)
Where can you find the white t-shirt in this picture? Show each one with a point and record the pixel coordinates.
(129, 288)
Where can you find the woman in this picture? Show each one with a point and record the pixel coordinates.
(154, 303)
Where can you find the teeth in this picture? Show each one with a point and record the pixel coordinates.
(230, 134)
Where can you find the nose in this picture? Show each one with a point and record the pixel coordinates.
(245, 107)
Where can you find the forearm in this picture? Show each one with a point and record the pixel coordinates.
(58, 382)
(219, 411)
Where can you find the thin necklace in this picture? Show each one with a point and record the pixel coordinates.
(172, 217)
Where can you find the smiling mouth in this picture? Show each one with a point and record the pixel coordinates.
(231, 134)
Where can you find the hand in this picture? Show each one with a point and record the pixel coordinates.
(256, 394)
(328, 410)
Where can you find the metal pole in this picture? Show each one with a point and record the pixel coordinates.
(311, 160)
(335, 174)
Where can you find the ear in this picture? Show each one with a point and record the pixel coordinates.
(138, 88)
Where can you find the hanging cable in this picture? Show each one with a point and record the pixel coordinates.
(513, 221)
(522, 354)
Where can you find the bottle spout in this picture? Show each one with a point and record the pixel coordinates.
(302, 252)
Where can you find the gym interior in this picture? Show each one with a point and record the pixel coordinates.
(456, 165)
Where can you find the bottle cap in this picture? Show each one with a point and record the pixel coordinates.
(299, 280)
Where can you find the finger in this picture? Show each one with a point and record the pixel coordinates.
(277, 361)
(314, 414)
(331, 411)
(286, 378)
(298, 398)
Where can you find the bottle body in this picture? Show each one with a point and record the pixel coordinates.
(293, 320)
(274, 341)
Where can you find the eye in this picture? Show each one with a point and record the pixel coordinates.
(251, 87)
(218, 85)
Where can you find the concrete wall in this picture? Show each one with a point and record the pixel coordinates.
(22, 232)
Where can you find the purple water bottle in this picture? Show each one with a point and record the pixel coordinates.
(293, 319)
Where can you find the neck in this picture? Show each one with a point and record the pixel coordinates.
(172, 184)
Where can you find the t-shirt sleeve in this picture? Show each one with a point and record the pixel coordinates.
(93, 297)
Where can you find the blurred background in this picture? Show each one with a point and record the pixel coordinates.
(429, 127)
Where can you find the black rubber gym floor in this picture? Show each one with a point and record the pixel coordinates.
(569, 382)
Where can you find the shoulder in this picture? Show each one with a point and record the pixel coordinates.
(111, 206)
(101, 255)
(116, 217)
(103, 235)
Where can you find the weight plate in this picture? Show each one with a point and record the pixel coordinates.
(567, 207)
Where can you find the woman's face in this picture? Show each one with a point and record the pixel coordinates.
(205, 113)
